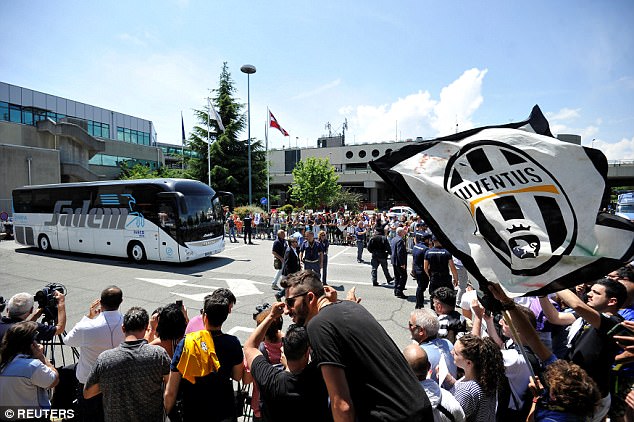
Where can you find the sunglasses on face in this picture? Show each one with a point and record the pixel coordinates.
(290, 301)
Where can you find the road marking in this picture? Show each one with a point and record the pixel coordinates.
(198, 297)
(165, 282)
(238, 286)
(235, 329)
(347, 247)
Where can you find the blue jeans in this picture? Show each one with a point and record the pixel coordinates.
(359, 250)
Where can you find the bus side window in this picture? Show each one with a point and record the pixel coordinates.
(166, 214)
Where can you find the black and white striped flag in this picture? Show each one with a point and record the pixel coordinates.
(515, 204)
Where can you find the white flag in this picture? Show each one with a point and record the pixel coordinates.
(517, 206)
(217, 118)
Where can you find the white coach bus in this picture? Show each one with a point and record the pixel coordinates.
(174, 220)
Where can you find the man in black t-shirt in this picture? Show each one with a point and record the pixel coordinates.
(247, 222)
(590, 346)
(287, 394)
(380, 249)
(193, 376)
(367, 377)
(439, 267)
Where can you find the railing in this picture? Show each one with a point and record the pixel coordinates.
(619, 163)
(356, 171)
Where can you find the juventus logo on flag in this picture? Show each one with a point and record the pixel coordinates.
(516, 205)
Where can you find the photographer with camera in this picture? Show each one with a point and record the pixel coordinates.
(51, 304)
(96, 332)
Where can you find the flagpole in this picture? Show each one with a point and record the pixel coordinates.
(208, 144)
(183, 143)
(268, 164)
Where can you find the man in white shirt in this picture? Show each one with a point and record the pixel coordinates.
(98, 331)
(444, 405)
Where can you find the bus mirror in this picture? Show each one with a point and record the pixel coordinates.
(230, 196)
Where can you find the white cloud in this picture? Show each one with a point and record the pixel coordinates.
(131, 39)
(419, 114)
(318, 90)
(563, 114)
(622, 150)
(458, 101)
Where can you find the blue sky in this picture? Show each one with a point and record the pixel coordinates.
(392, 69)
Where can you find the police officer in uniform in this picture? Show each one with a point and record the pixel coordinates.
(311, 253)
(438, 265)
(418, 267)
(247, 228)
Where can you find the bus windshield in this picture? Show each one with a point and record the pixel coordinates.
(200, 218)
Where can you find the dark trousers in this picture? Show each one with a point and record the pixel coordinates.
(359, 250)
(422, 280)
(247, 233)
(375, 262)
(437, 280)
(400, 278)
(90, 410)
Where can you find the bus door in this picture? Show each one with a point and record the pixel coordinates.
(167, 226)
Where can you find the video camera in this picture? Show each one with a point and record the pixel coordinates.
(46, 300)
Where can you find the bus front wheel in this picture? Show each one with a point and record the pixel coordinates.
(43, 243)
(136, 252)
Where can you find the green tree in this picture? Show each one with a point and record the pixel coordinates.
(314, 182)
(140, 171)
(346, 199)
(229, 155)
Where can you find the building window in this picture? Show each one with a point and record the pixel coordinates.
(356, 166)
(15, 114)
(349, 154)
(375, 153)
(4, 111)
(362, 154)
(27, 117)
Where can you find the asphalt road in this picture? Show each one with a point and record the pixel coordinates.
(245, 269)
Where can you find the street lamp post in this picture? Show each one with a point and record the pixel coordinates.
(249, 69)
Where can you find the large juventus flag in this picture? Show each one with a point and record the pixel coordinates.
(517, 206)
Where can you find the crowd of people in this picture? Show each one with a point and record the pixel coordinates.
(568, 356)
(339, 227)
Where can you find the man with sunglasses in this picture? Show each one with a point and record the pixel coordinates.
(365, 373)
(287, 393)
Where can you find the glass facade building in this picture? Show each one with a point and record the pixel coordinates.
(26, 106)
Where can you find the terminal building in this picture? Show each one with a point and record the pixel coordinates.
(350, 163)
(49, 139)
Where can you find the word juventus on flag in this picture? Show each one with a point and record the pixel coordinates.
(273, 123)
(517, 206)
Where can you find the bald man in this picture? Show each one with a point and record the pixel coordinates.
(444, 405)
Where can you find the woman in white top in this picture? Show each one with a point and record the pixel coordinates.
(25, 372)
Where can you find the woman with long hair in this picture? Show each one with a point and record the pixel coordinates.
(483, 366)
(25, 372)
(170, 328)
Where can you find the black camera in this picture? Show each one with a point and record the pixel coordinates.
(46, 300)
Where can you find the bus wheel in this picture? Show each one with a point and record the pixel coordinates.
(136, 252)
(43, 243)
